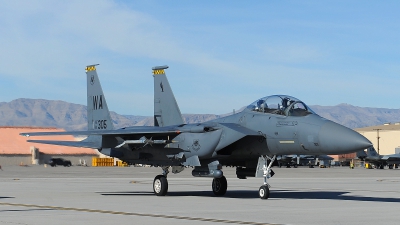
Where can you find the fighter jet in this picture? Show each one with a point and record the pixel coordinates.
(297, 160)
(380, 161)
(249, 140)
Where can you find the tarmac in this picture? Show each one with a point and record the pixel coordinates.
(124, 195)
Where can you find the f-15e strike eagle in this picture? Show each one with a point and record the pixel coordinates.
(380, 161)
(249, 140)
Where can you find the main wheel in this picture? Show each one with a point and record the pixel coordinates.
(160, 185)
(263, 192)
(219, 186)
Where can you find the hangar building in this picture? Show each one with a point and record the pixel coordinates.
(15, 150)
(388, 135)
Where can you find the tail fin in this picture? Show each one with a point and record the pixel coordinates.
(361, 154)
(166, 110)
(97, 109)
(372, 152)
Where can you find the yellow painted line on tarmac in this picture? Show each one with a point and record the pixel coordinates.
(135, 214)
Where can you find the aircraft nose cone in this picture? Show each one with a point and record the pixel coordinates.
(337, 139)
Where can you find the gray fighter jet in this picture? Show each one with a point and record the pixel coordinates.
(380, 161)
(249, 140)
(309, 160)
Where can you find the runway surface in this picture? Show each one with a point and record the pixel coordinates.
(112, 195)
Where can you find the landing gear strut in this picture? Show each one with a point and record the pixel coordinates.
(263, 192)
(160, 183)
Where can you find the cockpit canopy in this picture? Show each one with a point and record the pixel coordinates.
(282, 105)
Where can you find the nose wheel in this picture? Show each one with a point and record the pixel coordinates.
(219, 186)
(263, 192)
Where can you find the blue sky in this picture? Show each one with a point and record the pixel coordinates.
(222, 54)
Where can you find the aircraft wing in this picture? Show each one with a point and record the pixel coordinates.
(394, 157)
(235, 132)
(139, 131)
(79, 144)
(94, 140)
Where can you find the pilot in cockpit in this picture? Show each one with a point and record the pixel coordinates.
(285, 103)
(261, 105)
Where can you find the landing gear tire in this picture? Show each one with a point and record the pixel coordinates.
(219, 186)
(160, 185)
(263, 192)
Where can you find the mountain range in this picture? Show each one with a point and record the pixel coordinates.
(70, 116)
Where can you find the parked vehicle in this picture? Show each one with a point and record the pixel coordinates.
(59, 162)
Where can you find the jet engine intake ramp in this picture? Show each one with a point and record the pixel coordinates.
(166, 109)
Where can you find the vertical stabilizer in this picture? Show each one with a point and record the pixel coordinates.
(361, 154)
(166, 109)
(372, 152)
(97, 110)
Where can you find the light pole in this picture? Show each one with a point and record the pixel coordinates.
(377, 137)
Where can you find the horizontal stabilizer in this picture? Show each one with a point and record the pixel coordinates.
(78, 144)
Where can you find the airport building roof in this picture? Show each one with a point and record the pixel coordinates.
(386, 126)
(11, 143)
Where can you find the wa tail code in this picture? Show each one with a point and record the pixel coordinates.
(97, 102)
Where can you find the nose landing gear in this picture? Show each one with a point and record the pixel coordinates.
(263, 191)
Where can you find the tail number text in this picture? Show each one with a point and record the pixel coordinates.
(100, 124)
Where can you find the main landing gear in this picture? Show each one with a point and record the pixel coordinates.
(160, 183)
(219, 183)
(263, 191)
(219, 186)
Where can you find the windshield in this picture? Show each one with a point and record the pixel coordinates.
(280, 104)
